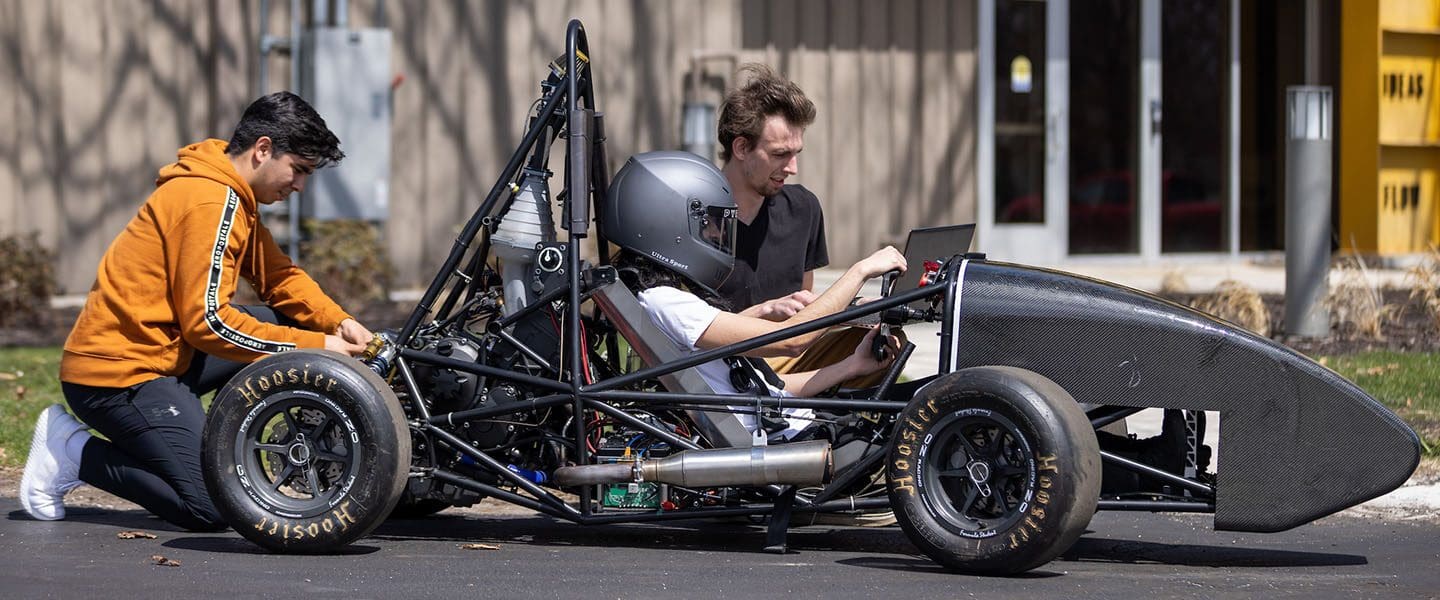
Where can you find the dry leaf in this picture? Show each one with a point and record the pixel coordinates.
(20, 391)
(1381, 370)
(7, 377)
(164, 562)
(131, 535)
(1325, 360)
(479, 547)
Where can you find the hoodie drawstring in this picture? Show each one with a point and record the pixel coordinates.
(257, 270)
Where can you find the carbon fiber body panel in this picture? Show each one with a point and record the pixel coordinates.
(1298, 441)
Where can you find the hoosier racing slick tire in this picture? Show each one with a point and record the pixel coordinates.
(993, 470)
(305, 451)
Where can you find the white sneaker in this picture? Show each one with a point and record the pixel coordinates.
(49, 472)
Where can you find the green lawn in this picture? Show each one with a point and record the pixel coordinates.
(1407, 383)
(29, 382)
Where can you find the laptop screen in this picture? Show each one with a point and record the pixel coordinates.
(931, 243)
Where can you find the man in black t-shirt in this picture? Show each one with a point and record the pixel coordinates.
(780, 239)
(776, 253)
(781, 235)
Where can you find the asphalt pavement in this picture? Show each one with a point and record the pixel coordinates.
(1124, 555)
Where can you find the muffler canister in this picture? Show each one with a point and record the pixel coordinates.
(804, 463)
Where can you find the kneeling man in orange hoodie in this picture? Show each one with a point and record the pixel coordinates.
(158, 329)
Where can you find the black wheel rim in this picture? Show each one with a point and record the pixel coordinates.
(977, 473)
(298, 453)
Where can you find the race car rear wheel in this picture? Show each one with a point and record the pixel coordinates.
(993, 470)
(305, 451)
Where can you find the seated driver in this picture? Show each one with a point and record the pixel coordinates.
(673, 217)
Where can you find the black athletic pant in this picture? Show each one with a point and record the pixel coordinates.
(155, 427)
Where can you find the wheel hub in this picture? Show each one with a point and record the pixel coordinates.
(299, 452)
(980, 475)
(979, 471)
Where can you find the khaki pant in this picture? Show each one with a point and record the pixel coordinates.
(831, 348)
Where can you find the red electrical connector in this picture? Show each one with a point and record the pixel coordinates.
(932, 270)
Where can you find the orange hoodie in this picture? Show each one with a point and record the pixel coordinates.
(164, 286)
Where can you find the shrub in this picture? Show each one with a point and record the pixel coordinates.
(27, 280)
(1357, 310)
(1173, 283)
(1424, 280)
(348, 260)
(1237, 303)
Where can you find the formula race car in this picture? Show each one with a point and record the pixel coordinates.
(529, 375)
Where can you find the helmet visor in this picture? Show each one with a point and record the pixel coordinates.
(716, 225)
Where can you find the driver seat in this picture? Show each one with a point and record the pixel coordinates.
(619, 305)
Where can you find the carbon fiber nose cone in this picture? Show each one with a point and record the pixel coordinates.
(1297, 441)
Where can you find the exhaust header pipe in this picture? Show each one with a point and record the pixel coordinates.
(804, 463)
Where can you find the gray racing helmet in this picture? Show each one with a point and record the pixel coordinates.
(675, 209)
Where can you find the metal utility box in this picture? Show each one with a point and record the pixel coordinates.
(345, 75)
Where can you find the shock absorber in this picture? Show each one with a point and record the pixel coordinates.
(380, 353)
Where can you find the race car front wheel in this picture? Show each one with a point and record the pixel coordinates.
(305, 451)
(993, 470)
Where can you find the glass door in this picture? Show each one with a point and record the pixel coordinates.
(1194, 161)
(1020, 112)
(1076, 156)
(1106, 180)
(1022, 100)
(1139, 182)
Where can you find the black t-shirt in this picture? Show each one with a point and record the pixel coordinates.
(773, 252)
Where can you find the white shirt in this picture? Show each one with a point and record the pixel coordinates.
(683, 317)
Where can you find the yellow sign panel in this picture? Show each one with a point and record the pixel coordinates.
(1409, 113)
(1407, 209)
(1410, 14)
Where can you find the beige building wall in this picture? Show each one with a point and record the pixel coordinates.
(96, 95)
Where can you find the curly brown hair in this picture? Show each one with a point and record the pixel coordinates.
(747, 106)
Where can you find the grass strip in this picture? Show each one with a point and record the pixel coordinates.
(1407, 383)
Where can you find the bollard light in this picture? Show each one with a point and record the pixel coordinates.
(1309, 119)
(697, 129)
